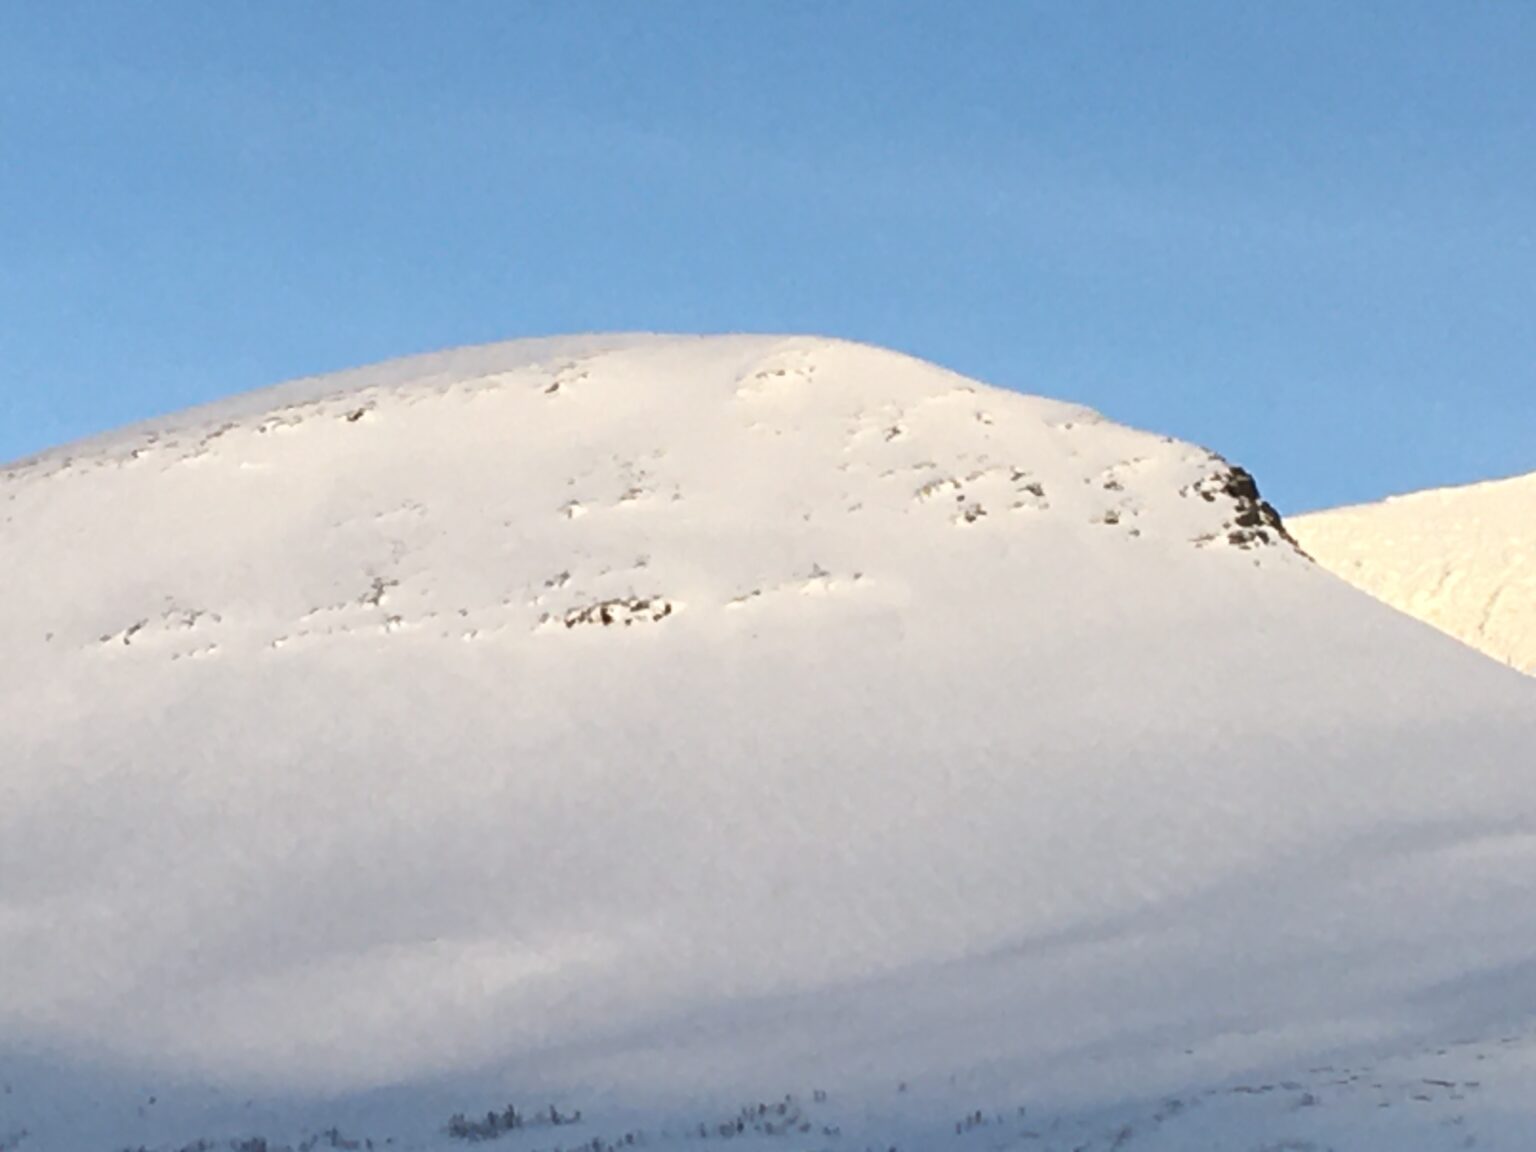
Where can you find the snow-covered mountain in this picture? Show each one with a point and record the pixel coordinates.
(773, 741)
(1462, 559)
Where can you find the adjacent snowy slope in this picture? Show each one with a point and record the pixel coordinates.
(1462, 559)
(644, 725)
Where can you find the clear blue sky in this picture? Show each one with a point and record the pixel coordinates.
(1301, 233)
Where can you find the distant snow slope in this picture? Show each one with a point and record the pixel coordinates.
(760, 740)
(1462, 559)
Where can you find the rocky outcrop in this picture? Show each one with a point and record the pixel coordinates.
(1254, 521)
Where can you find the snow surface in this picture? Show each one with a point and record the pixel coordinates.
(1461, 559)
(656, 727)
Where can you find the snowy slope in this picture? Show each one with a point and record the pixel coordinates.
(648, 726)
(1462, 559)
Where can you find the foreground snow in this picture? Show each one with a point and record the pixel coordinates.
(1462, 559)
(649, 727)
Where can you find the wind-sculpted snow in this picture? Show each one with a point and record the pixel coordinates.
(657, 728)
(1462, 559)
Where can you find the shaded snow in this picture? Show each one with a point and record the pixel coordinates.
(653, 725)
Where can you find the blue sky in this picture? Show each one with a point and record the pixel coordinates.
(1301, 233)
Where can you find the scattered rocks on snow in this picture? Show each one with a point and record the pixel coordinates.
(624, 610)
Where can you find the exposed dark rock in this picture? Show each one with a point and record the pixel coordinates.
(626, 611)
(1254, 519)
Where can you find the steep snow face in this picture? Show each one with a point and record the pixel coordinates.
(1461, 559)
(642, 724)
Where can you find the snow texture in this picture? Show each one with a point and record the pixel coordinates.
(773, 742)
(1461, 559)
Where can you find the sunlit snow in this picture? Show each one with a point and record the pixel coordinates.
(1462, 559)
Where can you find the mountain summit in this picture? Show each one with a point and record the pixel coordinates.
(600, 733)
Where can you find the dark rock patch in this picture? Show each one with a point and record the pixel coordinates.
(1255, 521)
(625, 610)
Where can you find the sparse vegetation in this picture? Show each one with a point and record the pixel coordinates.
(496, 1124)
